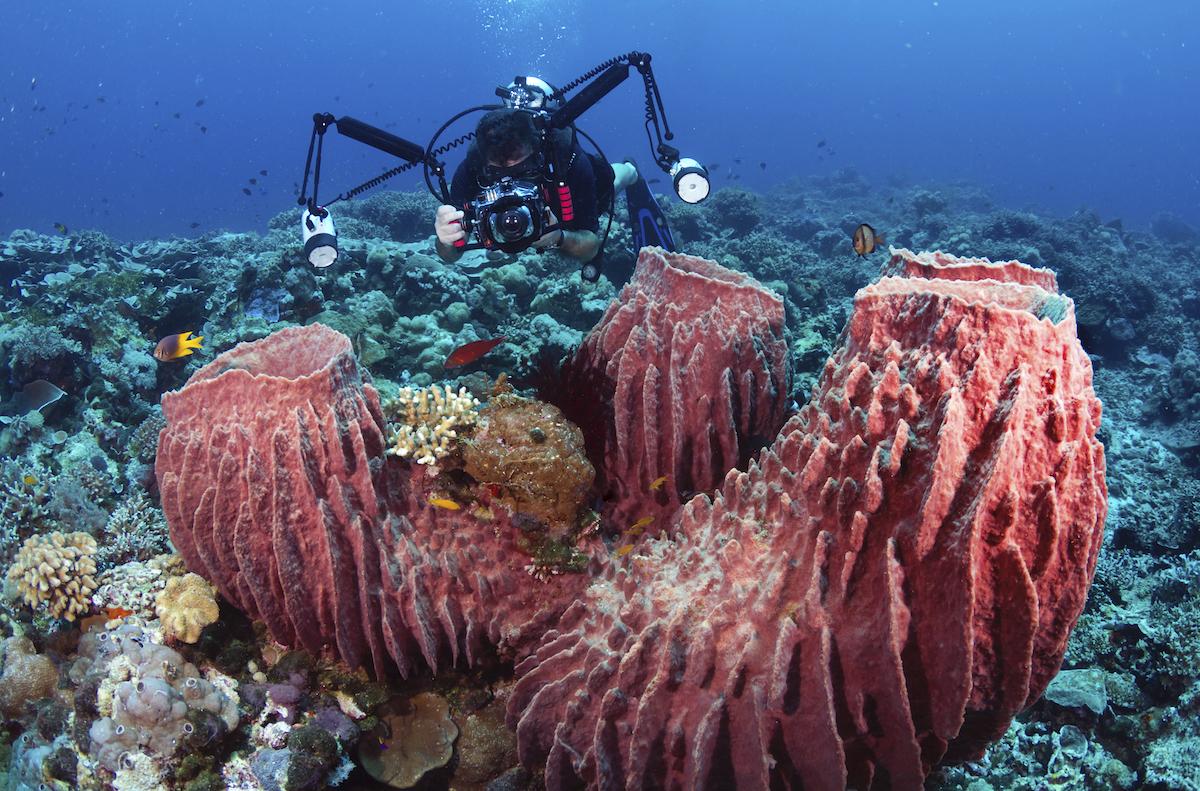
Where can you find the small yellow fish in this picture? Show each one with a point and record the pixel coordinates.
(657, 483)
(625, 550)
(29, 480)
(443, 502)
(173, 347)
(645, 521)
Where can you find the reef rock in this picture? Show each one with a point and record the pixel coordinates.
(685, 376)
(883, 589)
(276, 489)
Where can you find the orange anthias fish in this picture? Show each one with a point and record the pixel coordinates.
(113, 613)
(444, 502)
(657, 483)
(637, 527)
(470, 352)
(173, 347)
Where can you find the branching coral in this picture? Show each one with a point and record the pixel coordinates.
(57, 570)
(429, 420)
(136, 530)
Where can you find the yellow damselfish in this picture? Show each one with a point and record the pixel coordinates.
(657, 483)
(442, 502)
(625, 550)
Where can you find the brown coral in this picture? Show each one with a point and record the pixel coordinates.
(186, 606)
(535, 455)
(27, 676)
(414, 735)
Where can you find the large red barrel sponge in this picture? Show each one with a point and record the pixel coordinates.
(276, 489)
(882, 590)
(685, 376)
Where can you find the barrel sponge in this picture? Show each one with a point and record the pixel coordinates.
(153, 701)
(58, 570)
(186, 606)
(27, 676)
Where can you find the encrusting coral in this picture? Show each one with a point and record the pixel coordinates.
(27, 676)
(56, 570)
(533, 458)
(414, 736)
(429, 420)
(185, 607)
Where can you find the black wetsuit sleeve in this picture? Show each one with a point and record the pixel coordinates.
(463, 186)
(582, 180)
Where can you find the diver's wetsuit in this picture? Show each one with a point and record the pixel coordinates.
(589, 177)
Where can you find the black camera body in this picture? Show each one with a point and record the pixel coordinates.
(509, 216)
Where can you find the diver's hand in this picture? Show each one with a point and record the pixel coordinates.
(550, 239)
(447, 225)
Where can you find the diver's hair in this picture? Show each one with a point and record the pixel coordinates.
(502, 134)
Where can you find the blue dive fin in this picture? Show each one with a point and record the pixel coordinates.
(646, 220)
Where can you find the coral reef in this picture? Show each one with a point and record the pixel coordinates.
(884, 588)
(428, 421)
(944, 484)
(185, 606)
(56, 572)
(135, 530)
(414, 735)
(153, 704)
(25, 676)
(532, 458)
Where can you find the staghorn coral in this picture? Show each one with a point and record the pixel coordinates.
(143, 441)
(25, 493)
(185, 607)
(428, 421)
(56, 570)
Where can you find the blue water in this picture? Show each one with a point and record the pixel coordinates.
(1053, 106)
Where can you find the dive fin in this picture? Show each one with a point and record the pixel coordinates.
(646, 219)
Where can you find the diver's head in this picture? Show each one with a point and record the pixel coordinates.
(509, 143)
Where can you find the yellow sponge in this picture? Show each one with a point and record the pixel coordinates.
(186, 606)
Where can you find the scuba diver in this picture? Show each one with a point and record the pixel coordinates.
(508, 145)
(525, 181)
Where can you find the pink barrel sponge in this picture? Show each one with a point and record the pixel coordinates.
(884, 588)
(684, 377)
(276, 488)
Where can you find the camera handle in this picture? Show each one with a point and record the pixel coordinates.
(376, 138)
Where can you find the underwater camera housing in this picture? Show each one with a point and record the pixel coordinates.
(508, 216)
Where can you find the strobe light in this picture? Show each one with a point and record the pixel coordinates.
(691, 180)
(320, 238)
